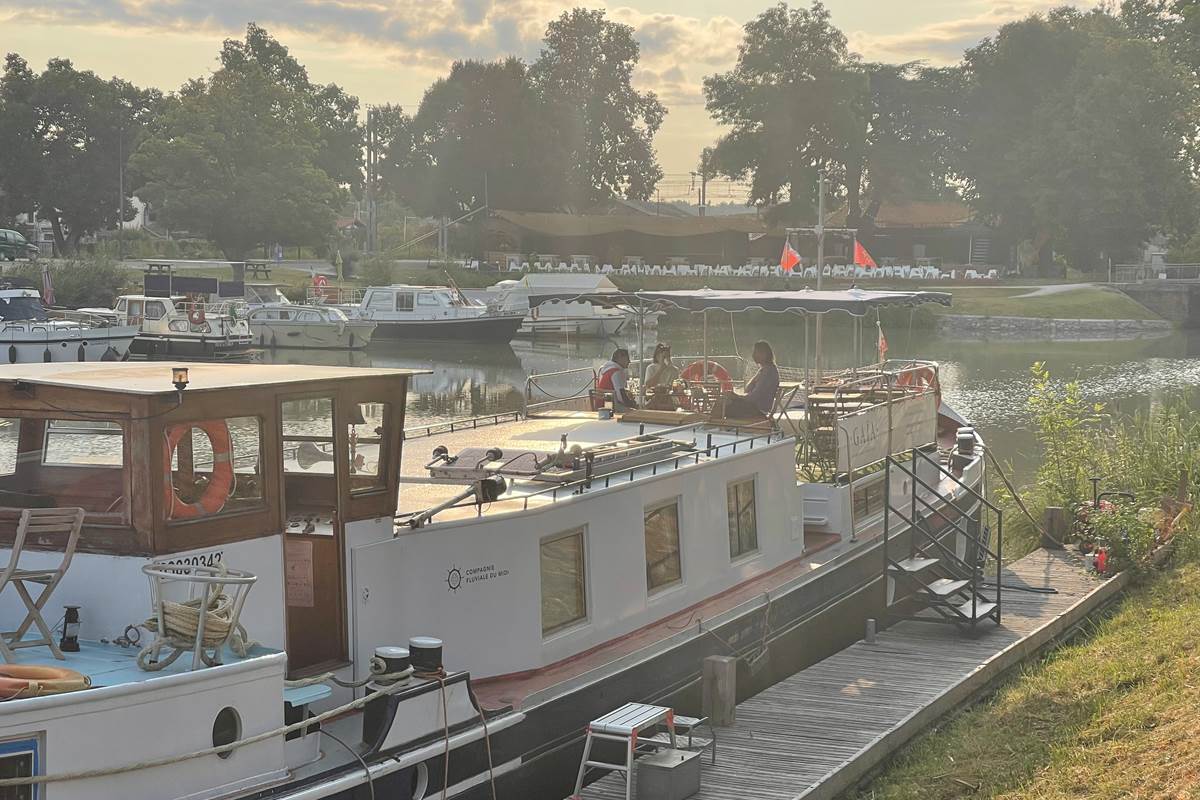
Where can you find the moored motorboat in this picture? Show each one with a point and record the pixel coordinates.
(421, 313)
(554, 317)
(315, 327)
(29, 333)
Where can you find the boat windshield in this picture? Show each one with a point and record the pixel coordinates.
(19, 308)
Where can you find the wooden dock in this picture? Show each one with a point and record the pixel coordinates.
(817, 733)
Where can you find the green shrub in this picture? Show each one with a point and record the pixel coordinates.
(94, 282)
(376, 271)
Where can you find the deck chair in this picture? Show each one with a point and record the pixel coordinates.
(38, 524)
(784, 396)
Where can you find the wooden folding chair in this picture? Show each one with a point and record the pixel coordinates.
(39, 525)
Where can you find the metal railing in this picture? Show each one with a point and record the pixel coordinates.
(927, 540)
(464, 424)
(1137, 273)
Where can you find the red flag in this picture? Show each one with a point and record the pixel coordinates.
(883, 347)
(47, 286)
(790, 257)
(861, 257)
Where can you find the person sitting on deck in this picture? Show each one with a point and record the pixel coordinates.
(614, 377)
(661, 371)
(760, 391)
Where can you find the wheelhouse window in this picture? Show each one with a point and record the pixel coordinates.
(380, 301)
(404, 301)
(216, 467)
(308, 436)
(83, 443)
(428, 299)
(663, 566)
(564, 581)
(156, 309)
(64, 462)
(367, 448)
(743, 520)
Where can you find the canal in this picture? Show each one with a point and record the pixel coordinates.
(987, 381)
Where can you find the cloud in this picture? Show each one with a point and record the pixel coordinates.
(944, 42)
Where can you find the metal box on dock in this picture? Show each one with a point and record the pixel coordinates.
(668, 775)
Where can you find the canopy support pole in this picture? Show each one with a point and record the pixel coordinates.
(704, 345)
(641, 320)
(820, 260)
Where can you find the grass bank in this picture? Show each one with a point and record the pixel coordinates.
(1083, 302)
(1114, 714)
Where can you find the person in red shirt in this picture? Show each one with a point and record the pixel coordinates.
(614, 377)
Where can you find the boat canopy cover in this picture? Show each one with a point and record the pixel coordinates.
(857, 302)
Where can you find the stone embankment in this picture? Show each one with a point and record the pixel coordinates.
(972, 326)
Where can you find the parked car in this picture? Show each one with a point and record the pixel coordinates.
(13, 246)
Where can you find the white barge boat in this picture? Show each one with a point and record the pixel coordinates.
(569, 562)
(30, 334)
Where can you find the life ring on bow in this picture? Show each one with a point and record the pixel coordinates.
(220, 482)
(320, 281)
(922, 378)
(694, 373)
(23, 680)
(196, 315)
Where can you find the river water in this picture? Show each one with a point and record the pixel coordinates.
(987, 381)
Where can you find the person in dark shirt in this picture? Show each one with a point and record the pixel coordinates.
(760, 391)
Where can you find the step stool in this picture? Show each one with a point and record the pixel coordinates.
(623, 725)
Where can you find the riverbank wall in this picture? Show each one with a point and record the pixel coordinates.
(973, 326)
(1172, 300)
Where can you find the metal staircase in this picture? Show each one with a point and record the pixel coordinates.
(938, 575)
(981, 250)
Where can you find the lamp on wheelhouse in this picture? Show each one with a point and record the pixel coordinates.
(179, 377)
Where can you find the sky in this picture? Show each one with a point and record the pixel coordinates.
(389, 51)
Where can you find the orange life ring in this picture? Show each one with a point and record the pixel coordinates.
(196, 315)
(220, 482)
(921, 378)
(21, 680)
(320, 281)
(694, 373)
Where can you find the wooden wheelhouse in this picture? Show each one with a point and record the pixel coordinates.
(240, 453)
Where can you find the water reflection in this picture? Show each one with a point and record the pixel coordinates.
(988, 381)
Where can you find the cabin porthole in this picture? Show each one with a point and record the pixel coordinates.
(420, 782)
(227, 728)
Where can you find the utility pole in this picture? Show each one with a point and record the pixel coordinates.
(372, 180)
(819, 230)
(121, 194)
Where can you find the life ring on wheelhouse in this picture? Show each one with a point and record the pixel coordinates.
(694, 373)
(18, 681)
(220, 481)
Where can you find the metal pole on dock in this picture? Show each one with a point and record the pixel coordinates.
(820, 231)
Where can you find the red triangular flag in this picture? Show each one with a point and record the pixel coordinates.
(861, 257)
(790, 257)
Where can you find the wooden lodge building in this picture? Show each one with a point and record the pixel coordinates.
(936, 232)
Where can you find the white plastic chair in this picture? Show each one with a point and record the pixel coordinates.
(810, 272)
(888, 272)
(993, 275)
(826, 271)
(839, 271)
(971, 275)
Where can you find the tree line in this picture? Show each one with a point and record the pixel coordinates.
(1075, 132)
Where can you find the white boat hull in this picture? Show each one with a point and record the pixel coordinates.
(324, 336)
(44, 342)
(572, 327)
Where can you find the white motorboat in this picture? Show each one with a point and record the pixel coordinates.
(421, 313)
(555, 316)
(265, 294)
(316, 327)
(185, 325)
(29, 333)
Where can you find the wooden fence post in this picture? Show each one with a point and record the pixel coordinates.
(720, 689)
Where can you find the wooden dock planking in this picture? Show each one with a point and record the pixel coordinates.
(817, 733)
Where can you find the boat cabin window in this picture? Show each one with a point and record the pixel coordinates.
(216, 467)
(121, 304)
(743, 520)
(663, 567)
(64, 462)
(869, 500)
(380, 301)
(15, 308)
(18, 759)
(177, 325)
(305, 316)
(404, 301)
(308, 436)
(367, 449)
(136, 311)
(564, 581)
(428, 299)
(155, 309)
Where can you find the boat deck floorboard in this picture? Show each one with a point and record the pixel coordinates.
(817, 733)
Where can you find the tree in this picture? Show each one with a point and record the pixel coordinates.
(326, 106)
(475, 137)
(65, 136)
(21, 164)
(235, 160)
(1075, 133)
(583, 77)
(798, 101)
